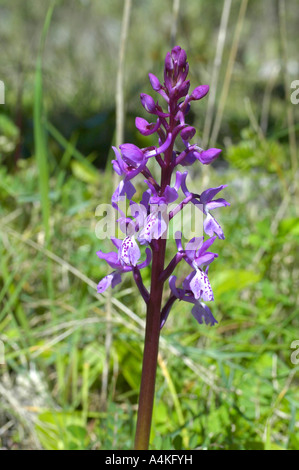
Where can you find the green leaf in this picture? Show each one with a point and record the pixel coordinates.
(56, 429)
(289, 226)
(178, 442)
(84, 173)
(233, 280)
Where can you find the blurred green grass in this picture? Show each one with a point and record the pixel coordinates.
(228, 387)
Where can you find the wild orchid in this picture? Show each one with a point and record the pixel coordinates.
(149, 219)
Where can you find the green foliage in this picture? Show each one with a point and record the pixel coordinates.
(236, 389)
(9, 135)
(73, 358)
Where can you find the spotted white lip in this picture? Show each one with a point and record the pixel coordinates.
(200, 286)
(129, 252)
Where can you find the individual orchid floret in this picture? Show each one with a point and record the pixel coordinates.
(146, 128)
(211, 225)
(200, 285)
(206, 203)
(195, 252)
(130, 164)
(192, 153)
(200, 311)
(150, 106)
(123, 261)
(187, 133)
(131, 154)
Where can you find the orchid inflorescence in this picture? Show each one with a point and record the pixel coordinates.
(148, 223)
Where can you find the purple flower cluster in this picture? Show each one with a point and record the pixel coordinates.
(148, 224)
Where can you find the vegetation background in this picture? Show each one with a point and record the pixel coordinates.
(73, 71)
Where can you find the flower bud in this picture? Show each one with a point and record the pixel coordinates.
(131, 153)
(156, 85)
(208, 156)
(146, 128)
(148, 103)
(200, 92)
(187, 133)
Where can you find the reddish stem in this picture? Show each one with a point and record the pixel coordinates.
(150, 353)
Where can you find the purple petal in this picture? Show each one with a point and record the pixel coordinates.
(145, 199)
(146, 128)
(208, 156)
(205, 259)
(217, 203)
(124, 188)
(168, 62)
(193, 245)
(189, 159)
(111, 258)
(187, 133)
(131, 154)
(118, 165)
(211, 226)
(186, 282)
(111, 280)
(183, 89)
(206, 245)
(208, 194)
(116, 242)
(148, 103)
(148, 259)
(176, 53)
(152, 188)
(178, 240)
(170, 194)
(178, 293)
(156, 85)
(179, 178)
(201, 312)
(116, 279)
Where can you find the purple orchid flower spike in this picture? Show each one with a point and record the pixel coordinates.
(147, 218)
